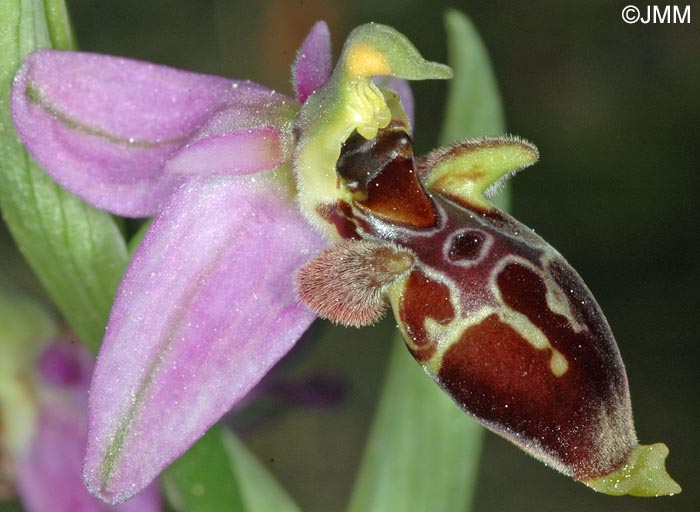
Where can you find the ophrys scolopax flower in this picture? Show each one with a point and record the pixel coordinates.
(249, 186)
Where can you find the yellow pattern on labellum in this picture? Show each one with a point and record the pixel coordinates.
(558, 364)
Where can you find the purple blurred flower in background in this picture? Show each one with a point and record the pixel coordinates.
(49, 470)
(44, 382)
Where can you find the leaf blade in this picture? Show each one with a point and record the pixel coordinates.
(193, 483)
(261, 491)
(422, 452)
(473, 107)
(76, 251)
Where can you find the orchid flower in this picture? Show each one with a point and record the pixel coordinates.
(271, 210)
(43, 400)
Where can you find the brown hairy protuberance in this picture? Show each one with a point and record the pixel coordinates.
(346, 283)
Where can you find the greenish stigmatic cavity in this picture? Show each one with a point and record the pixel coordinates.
(418, 431)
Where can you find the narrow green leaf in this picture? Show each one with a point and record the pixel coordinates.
(423, 451)
(137, 238)
(10, 506)
(261, 491)
(77, 252)
(473, 107)
(59, 25)
(203, 479)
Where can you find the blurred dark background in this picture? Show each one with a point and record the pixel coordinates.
(614, 109)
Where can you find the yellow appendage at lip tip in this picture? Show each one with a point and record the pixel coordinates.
(644, 474)
(364, 60)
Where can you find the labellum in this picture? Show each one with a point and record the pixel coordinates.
(491, 311)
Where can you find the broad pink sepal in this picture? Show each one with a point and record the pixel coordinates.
(205, 309)
(103, 127)
(49, 473)
(313, 64)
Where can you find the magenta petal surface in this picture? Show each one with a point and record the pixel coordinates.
(205, 309)
(49, 473)
(313, 66)
(103, 126)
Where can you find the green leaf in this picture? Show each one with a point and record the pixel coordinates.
(423, 451)
(59, 26)
(473, 107)
(203, 479)
(135, 241)
(77, 252)
(10, 506)
(220, 474)
(261, 491)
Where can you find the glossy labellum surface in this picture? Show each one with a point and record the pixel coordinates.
(490, 310)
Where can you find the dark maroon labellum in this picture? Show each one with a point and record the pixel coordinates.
(499, 319)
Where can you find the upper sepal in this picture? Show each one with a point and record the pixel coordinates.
(374, 49)
(104, 127)
(206, 307)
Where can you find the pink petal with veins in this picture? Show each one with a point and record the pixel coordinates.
(206, 308)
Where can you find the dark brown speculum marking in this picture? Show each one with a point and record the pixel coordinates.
(466, 245)
(381, 172)
(424, 298)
